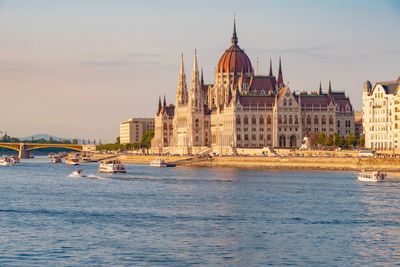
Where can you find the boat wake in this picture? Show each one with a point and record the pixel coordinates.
(89, 176)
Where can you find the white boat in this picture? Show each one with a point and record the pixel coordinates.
(377, 176)
(112, 166)
(6, 161)
(158, 163)
(77, 173)
(72, 159)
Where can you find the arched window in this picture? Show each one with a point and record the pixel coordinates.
(330, 120)
(165, 126)
(323, 120)
(269, 119)
(290, 119)
(338, 123)
(261, 120)
(316, 119)
(246, 120)
(290, 102)
(284, 102)
(196, 123)
(238, 120)
(296, 120)
(308, 120)
(279, 119)
(284, 119)
(253, 120)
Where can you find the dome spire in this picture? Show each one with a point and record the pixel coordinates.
(234, 39)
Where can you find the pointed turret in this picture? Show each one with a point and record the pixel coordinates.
(330, 87)
(159, 105)
(270, 68)
(202, 78)
(181, 92)
(280, 75)
(195, 86)
(320, 89)
(164, 103)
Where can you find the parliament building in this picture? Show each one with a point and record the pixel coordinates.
(244, 110)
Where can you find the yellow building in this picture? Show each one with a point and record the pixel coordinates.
(132, 130)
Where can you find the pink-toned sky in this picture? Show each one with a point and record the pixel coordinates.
(79, 68)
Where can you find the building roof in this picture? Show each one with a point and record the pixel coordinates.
(390, 87)
(234, 59)
(258, 84)
(257, 100)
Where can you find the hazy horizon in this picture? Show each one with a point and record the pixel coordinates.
(79, 68)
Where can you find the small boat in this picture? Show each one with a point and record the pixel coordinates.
(376, 176)
(15, 159)
(72, 160)
(31, 155)
(77, 173)
(56, 159)
(6, 161)
(158, 163)
(112, 166)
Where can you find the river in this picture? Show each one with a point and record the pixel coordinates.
(194, 216)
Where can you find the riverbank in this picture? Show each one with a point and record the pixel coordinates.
(391, 165)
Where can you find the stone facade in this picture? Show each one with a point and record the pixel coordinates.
(244, 110)
(381, 115)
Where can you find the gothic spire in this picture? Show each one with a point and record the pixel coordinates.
(234, 39)
(330, 87)
(270, 67)
(201, 78)
(164, 103)
(320, 88)
(280, 75)
(181, 92)
(159, 105)
(195, 98)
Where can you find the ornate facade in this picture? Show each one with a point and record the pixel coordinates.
(381, 115)
(244, 110)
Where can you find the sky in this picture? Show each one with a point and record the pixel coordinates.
(78, 68)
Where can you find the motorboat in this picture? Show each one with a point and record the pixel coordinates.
(72, 160)
(376, 176)
(112, 166)
(158, 163)
(15, 159)
(6, 161)
(56, 159)
(77, 173)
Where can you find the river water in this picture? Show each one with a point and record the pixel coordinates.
(194, 216)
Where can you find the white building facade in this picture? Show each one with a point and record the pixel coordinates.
(381, 115)
(132, 130)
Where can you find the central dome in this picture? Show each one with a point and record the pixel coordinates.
(234, 59)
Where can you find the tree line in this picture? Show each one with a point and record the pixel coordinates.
(144, 143)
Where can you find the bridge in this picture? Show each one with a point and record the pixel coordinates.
(24, 148)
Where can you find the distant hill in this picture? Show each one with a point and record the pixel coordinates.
(46, 137)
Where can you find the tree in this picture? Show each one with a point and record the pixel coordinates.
(145, 142)
(351, 140)
(321, 139)
(75, 141)
(312, 139)
(118, 139)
